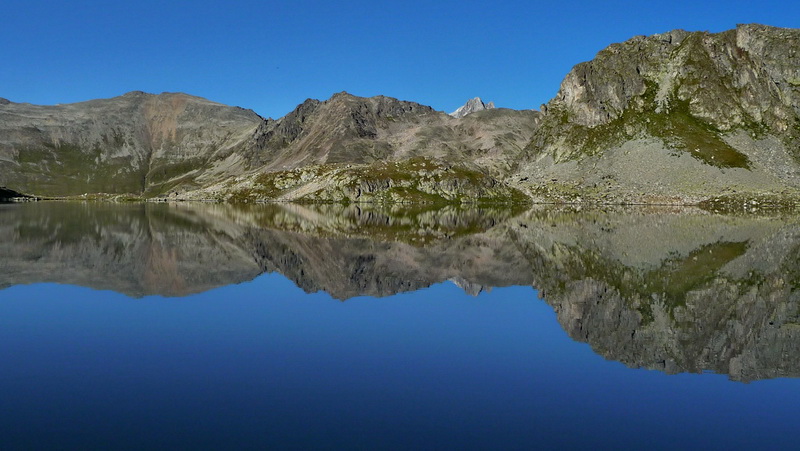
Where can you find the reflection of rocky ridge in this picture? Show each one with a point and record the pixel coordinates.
(137, 249)
(677, 291)
(142, 249)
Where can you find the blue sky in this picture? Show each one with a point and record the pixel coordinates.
(270, 56)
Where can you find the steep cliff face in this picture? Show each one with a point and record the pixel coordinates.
(747, 77)
(138, 143)
(677, 115)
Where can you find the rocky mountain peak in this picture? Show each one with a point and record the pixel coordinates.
(728, 78)
(472, 105)
(4, 101)
(136, 94)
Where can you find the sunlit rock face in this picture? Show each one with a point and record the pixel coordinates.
(472, 105)
(677, 290)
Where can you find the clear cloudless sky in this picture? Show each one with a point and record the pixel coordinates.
(270, 56)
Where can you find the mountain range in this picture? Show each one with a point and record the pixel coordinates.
(680, 117)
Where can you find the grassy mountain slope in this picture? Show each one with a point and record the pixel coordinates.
(138, 143)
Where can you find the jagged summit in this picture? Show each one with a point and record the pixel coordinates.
(472, 105)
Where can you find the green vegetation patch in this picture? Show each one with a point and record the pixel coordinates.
(676, 126)
(68, 170)
(679, 276)
(415, 180)
(416, 224)
(671, 282)
(681, 130)
(164, 176)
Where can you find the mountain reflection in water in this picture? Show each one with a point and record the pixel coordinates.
(678, 290)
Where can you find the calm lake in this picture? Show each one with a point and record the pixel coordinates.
(197, 326)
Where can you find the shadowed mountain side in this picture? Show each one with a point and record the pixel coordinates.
(686, 292)
(9, 195)
(379, 149)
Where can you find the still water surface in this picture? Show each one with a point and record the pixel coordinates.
(210, 326)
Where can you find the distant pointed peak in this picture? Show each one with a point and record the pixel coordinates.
(472, 105)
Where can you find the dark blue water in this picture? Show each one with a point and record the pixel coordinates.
(264, 364)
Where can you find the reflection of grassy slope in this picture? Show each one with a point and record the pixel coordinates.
(746, 202)
(672, 281)
(792, 268)
(679, 276)
(416, 224)
(72, 222)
